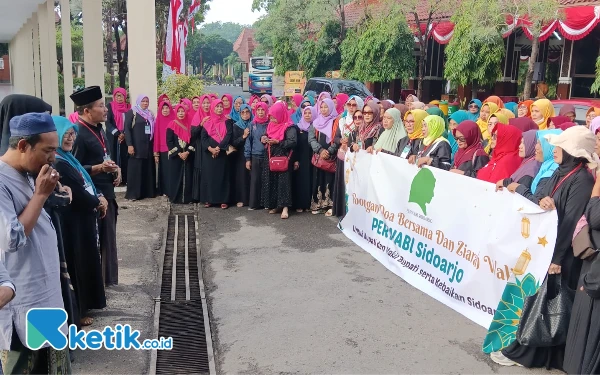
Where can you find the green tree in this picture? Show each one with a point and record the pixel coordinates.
(298, 32)
(596, 85)
(379, 49)
(423, 14)
(539, 12)
(476, 49)
(204, 51)
(229, 31)
(76, 44)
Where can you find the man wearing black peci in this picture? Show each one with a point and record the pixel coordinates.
(91, 149)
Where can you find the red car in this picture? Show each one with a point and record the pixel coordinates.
(581, 107)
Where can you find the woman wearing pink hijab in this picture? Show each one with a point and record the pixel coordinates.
(340, 101)
(281, 139)
(181, 157)
(296, 102)
(164, 117)
(214, 185)
(227, 104)
(115, 135)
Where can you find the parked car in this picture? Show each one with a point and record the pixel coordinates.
(336, 86)
(581, 107)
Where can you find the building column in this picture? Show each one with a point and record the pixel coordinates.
(44, 52)
(563, 90)
(15, 61)
(28, 67)
(51, 35)
(93, 46)
(37, 73)
(141, 27)
(67, 53)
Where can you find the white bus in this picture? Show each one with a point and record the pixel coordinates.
(260, 75)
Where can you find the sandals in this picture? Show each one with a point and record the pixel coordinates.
(207, 205)
(224, 206)
(329, 213)
(299, 210)
(87, 321)
(240, 204)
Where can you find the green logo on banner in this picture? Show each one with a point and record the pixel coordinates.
(422, 189)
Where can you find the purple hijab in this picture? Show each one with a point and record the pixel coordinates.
(324, 124)
(303, 124)
(145, 113)
(529, 166)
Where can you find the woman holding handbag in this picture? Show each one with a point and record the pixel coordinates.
(280, 140)
(567, 192)
(320, 137)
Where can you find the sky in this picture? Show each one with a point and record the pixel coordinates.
(238, 11)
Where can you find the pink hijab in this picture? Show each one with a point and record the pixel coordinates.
(341, 100)
(200, 115)
(74, 117)
(181, 127)
(160, 127)
(262, 120)
(215, 126)
(227, 111)
(276, 130)
(119, 109)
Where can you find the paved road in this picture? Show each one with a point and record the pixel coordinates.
(222, 90)
(296, 296)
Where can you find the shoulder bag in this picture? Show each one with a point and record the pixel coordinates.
(279, 163)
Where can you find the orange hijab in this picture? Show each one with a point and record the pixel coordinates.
(496, 100)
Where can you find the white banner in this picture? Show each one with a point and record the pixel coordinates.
(450, 236)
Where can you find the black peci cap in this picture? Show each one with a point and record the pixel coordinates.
(87, 95)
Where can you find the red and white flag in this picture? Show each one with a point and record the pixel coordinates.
(172, 58)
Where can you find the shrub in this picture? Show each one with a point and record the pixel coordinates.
(178, 86)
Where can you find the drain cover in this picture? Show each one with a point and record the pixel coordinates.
(181, 312)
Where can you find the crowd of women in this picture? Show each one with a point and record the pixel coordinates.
(279, 156)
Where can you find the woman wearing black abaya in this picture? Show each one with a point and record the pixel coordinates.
(302, 176)
(566, 191)
(181, 157)
(281, 139)
(115, 127)
(139, 134)
(240, 176)
(215, 184)
(17, 105)
(582, 353)
(346, 135)
(79, 224)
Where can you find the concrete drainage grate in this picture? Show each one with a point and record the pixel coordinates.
(181, 308)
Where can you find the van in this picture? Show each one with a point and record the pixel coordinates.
(336, 86)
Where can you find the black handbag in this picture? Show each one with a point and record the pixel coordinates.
(546, 314)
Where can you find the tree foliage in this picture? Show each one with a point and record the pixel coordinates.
(211, 49)
(302, 35)
(178, 86)
(476, 49)
(379, 49)
(229, 31)
(596, 85)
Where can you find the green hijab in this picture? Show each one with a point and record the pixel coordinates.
(436, 127)
(388, 140)
(435, 111)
